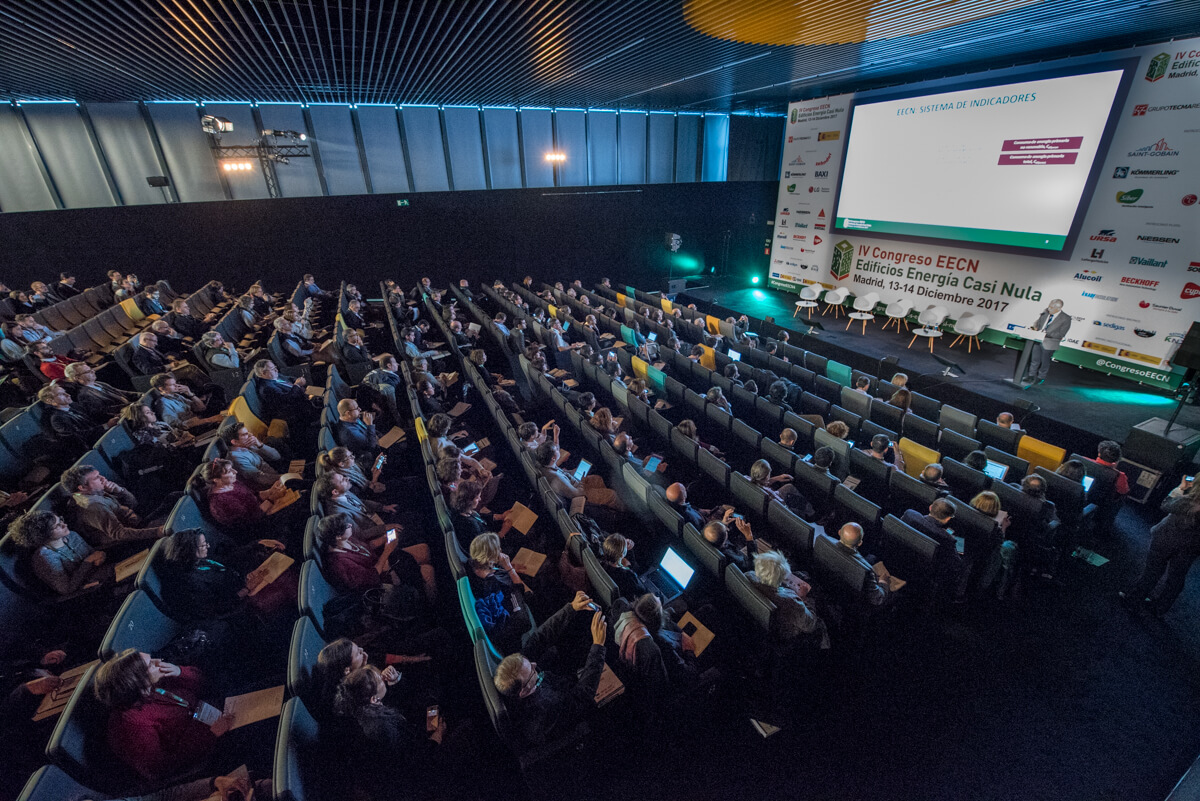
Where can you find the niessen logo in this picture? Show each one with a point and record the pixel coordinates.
(1142, 261)
(1159, 149)
(1166, 240)
(1140, 283)
(1105, 235)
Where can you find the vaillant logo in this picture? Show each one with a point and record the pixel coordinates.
(1142, 261)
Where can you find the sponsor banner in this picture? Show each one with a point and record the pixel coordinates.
(1132, 282)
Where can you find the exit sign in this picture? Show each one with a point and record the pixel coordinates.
(401, 202)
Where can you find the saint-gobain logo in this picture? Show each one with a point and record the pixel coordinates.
(843, 254)
(1132, 196)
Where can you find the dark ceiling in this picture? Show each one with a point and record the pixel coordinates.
(630, 54)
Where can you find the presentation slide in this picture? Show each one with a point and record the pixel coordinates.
(1002, 165)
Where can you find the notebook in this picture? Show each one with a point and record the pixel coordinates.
(996, 470)
(671, 577)
(582, 470)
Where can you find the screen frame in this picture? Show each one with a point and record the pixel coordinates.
(1128, 67)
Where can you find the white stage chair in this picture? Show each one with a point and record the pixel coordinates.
(930, 321)
(864, 309)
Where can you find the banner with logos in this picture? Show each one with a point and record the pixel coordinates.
(1132, 284)
(812, 156)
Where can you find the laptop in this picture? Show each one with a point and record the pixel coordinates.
(734, 356)
(582, 469)
(996, 470)
(1087, 482)
(671, 577)
(653, 336)
(652, 463)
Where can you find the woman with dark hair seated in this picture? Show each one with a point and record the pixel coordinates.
(901, 398)
(59, 557)
(231, 502)
(342, 460)
(688, 429)
(355, 565)
(342, 657)
(145, 428)
(199, 587)
(152, 724)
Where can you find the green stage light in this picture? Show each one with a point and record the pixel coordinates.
(754, 280)
(1124, 396)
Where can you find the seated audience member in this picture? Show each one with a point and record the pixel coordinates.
(354, 430)
(295, 351)
(788, 438)
(353, 350)
(147, 360)
(838, 429)
(51, 365)
(881, 448)
(604, 423)
(59, 557)
(180, 318)
(617, 566)
(468, 522)
(65, 288)
(976, 460)
(823, 459)
(499, 594)
(176, 405)
(170, 342)
(794, 616)
(351, 316)
(356, 563)
(778, 394)
(411, 350)
(335, 493)
(1006, 420)
(899, 380)
(780, 488)
(677, 497)
(198, 587)
(283, 399)
(591, 487)
(102, 511)
(850, 537)
(438, 429)
(902, 398)
(472, 470)
(984, 557)
(1035, 487)
(381, 748)
(1173, 549)
(427, 390)
(546, 706)
(1072, 470)
(688, 428)
(232, 503)
(449, 473)
(732, 373)
(149, 302)
(219, 354)
(387, 374)
(152, 726)
(339, 659)
(101, 400)
(862, 384)
(659, 655)
(250, 457)
(342, 460)
(145, 428)
(934, 525)
(931, 476)
(1108, 454)
(716, 397)
(67, 423)
(741, 554)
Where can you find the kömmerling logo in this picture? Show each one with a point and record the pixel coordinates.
(1157, 69)
(1121, 172)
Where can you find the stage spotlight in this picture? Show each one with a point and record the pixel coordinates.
(556, 158)
(236, 166)
(215, 125)
(295, 136)
(754, 280)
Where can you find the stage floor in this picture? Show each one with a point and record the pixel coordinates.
(1093, 405)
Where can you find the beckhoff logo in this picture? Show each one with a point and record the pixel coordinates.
(1159, 149)
(799, 237)
(1094, 296)
(1139, 283)
(1145, 262)
(1105, 235)
(1190, 291)
(825, 160)
(1158, 67)
(1166, 240)
(1089, 275)
(843, 255)
(1121, 172)
(1139, 110)
(1132, 196)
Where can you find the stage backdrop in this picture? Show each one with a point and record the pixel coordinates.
(1132, 284)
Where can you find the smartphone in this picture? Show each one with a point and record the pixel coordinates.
(432, 718)
(391, 535)
(1189, 479)
(379, 461)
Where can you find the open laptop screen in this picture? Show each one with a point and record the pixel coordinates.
(1087, 482)
(734, 356)
(582, 469)
(996, 470)
(676, 568)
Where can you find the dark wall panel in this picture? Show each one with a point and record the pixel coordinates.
(687, 143)
(381, 140)
(602, 148)
(22, 187)
(503, 151)
(122, 134)
(365, 237)
(537, 139)
(660, 159)
(632, 139)
(423, 130)
(72, 161)
(755, 145)
(339, 152)
(186, 148)
(571, 138)
(716, 147)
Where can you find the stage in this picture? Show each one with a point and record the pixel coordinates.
(1078, 407)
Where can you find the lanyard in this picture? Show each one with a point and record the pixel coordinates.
(172, 698)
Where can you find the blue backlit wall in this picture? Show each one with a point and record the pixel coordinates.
(68, 155)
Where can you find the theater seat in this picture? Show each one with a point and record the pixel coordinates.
(709, 557)
(139, 624)
(315, 593)
(916, 457)
(1040, 454)
(306, 645)
(604, 589)
(758, 607)
(297, 773)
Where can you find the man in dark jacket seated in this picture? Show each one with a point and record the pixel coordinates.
(282, 399)
(542, 705)
(69, 425)
(147, 360)
(100, 400)
(180, 318)
(619, 568)
(355, 431)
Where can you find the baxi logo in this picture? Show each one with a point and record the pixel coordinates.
(1190, 291)
(1132, 196)
(1121, 172)
(1140, 109)
(1158, 67)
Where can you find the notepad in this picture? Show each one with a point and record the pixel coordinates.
(284, 501)
(528, 562)
(522, 517)
(315, 392)
(396, 434)
(578, 504)
(297, 466)
(563, 456)
(570, 382)
(55, 701)
(129, 567)
(701, 635)
(488, 464)
(460, 409)
(252, 707)
(886, 578)
(272, 568)
(609, 687)
(474, 328)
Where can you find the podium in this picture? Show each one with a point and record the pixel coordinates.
(1030, 336)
